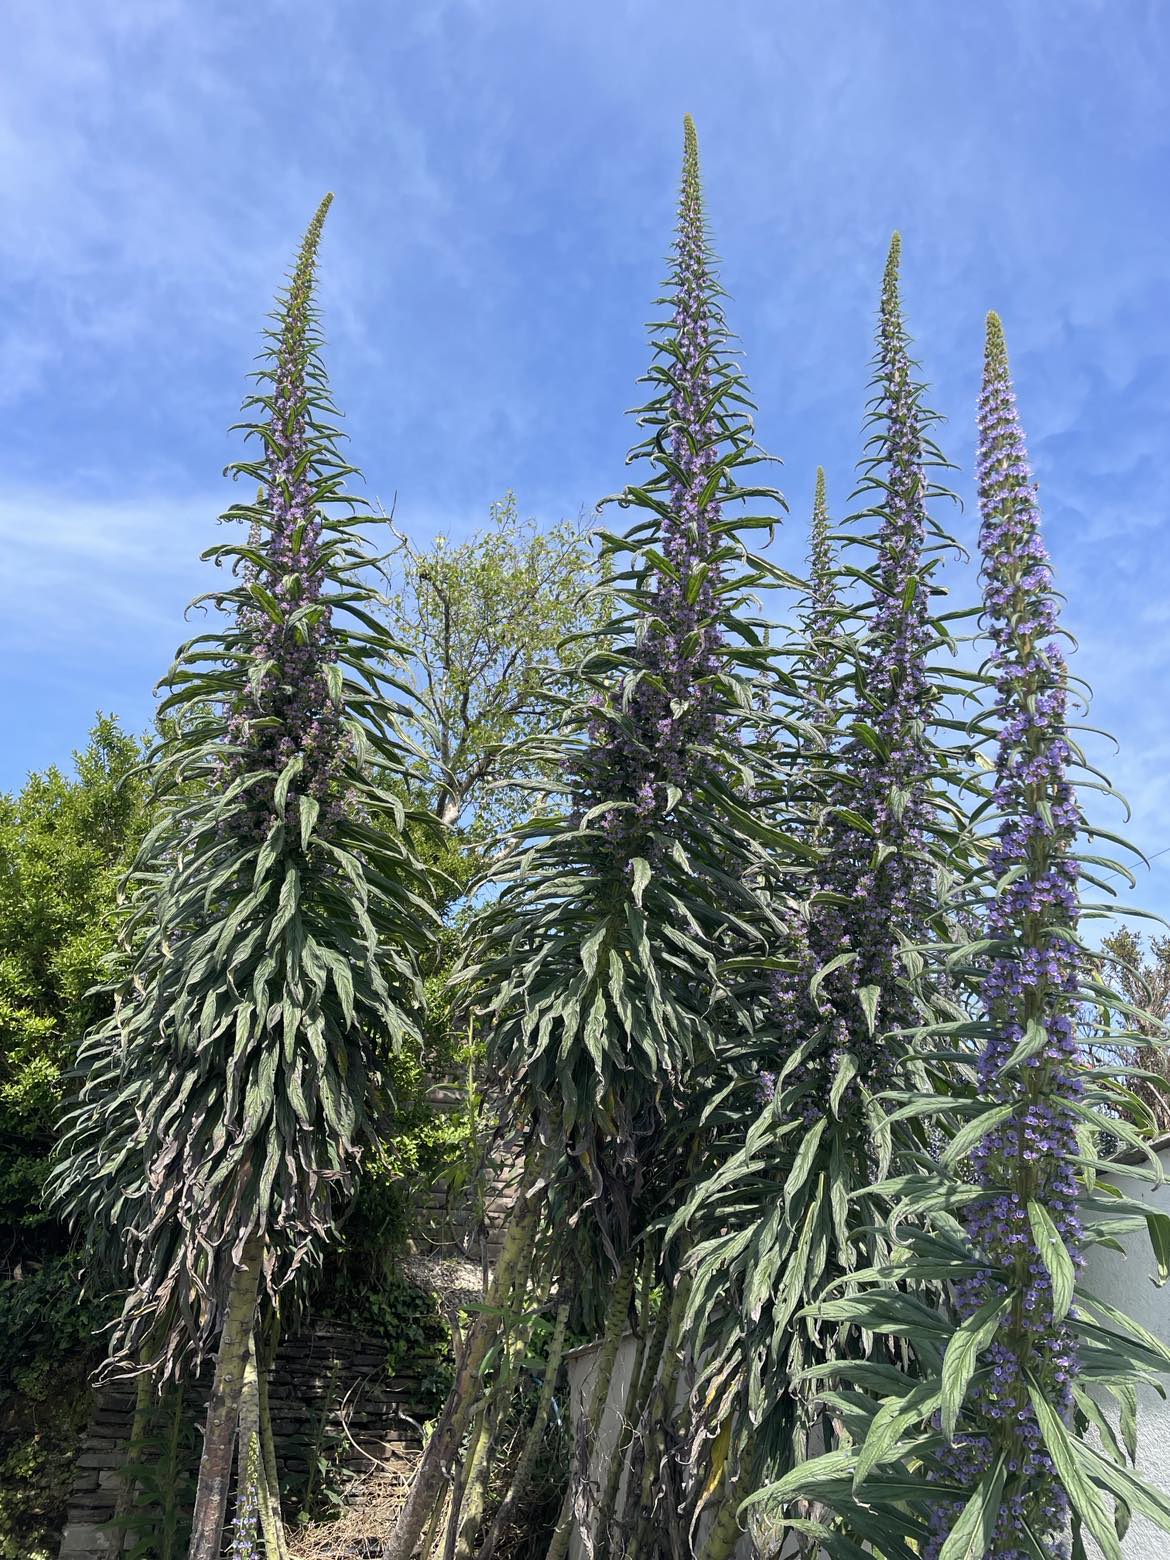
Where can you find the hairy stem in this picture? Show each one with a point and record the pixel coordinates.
(658, 1412)
(518, 1487)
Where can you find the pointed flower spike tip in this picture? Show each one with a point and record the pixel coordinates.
(819, 552)
(691, 197)
(996, 345)
(893, 261)
(891, 299)
(308, 255)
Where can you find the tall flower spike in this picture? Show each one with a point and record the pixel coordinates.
(822, 575)
(843, 992)
(821, 622)
(893, 790)
(882, 870)
(289, 713)
(644, 756)
(1026, 1226)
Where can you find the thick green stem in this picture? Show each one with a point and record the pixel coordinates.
(615, 1323)
(725, 1531)
(650, 1367)
(527, 1460)
(223, 1408)
(437, 1525)
(431, 1477)
(517, 1323)
(251, 1461)
(475, 1477)
(268, 1445)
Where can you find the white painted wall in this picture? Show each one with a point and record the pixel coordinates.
(1126, 1283)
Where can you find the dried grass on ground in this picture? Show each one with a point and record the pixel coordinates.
(371, 1509)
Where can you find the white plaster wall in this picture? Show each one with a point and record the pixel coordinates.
(1126, 1283)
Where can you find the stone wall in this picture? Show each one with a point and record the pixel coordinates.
(329, 1389)
(456, 1220)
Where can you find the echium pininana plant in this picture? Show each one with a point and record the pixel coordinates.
(274, 918)
(596, 963)
(622, 902)
(598, 959)
(1026, 1225)
(848, 989)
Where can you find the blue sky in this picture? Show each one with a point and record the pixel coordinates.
(505, 176)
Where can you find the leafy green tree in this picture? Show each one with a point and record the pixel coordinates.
(63, 839)
(488, 621)
(1140, 970)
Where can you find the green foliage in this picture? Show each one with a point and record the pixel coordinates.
(63, 840)
(160, 1468)
(1140, 970)
(46, 1352)
(39, 1439)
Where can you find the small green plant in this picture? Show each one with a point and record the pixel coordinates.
(161, 1470)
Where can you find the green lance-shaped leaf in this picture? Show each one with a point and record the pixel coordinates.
(973, 1534)
(1055, 1256)
(963, 1350)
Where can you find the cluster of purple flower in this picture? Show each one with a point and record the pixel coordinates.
(648, 742)
(879, 878)
(247, 1542)
(287, 712)
(1030, 1059)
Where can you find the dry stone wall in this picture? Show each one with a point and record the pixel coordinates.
(329, 1391)
(329, 1385)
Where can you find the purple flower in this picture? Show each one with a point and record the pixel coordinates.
(247, 1543)
(1030, 992)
